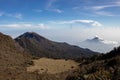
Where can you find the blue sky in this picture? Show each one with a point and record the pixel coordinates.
(62, 20)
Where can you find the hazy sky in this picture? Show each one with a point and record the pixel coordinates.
(62, 20)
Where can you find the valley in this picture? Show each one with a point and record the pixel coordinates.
(52, 66)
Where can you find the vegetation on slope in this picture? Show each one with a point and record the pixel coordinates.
(13, 59)
(99, 67)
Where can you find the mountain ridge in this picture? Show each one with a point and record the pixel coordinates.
(42, 47)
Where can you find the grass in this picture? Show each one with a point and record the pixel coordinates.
(52, 66)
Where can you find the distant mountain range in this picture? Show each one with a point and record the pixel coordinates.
(98, 44)
(39, 46)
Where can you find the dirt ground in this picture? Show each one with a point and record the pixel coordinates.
(52, 66)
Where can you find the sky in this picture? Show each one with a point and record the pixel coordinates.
(69, 21)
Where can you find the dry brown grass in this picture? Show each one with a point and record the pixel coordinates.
(52, 66)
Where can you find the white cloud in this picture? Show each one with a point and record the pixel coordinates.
(43, 26)
(57, 10)
(50, 6)
(102, 9)
(104, 13)
(14, 15)
(14, 25)
(104, 6)
(1, 13)
(25, 26)
(117, 2)
(90, 22)
(50, 3)
(107, 5)
(95, 23)
(18, 16)
(110, 42)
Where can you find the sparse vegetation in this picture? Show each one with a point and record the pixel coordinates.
(53, 66)
(99, 67)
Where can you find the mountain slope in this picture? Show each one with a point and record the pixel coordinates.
(13, 60)
(10, 50)
(98, 44)
(39, 46)
(102, 67)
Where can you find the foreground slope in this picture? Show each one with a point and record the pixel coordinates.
(13, 60)
(102, 67)
(39, 46)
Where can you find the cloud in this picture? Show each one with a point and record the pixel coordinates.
(110, 42)
(104, 6)
(1, 13)
(51, 6)
(25, 26)
(57, 10)
(104, 13)
(90, 22)
(43, 26)
(18, 16)
(50, 3)
(102, 9)
(14, 15)
(110, 4)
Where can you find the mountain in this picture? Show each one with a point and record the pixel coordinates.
(98, 44)
(13, 60)
(39, 46)
(99, 67)
(9, 50)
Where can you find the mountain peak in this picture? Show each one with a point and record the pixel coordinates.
(95, 39)
(31, 35)
(99, 44)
